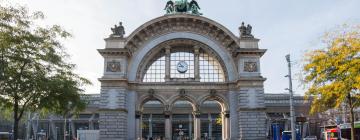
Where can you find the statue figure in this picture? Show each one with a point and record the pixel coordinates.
(194, 7)
(118, 31)
(242, 29)
(181, 6)
(245, 31)
(248, 30)
(169, 7)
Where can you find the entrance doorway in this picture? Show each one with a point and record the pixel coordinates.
(211, 120)
(182, 121)
(153, 125)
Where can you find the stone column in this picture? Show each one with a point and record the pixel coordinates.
(150, 126)
(197, 123)
(210, 125)
(91, 122)
(168, 125)
(196, 63)
(167, 63)
(225, 125)
(234, 123)
(131, 120)
(190, 126)
(138, 125)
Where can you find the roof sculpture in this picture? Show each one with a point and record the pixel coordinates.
(182, 6)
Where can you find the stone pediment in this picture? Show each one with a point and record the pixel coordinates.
(181, 23)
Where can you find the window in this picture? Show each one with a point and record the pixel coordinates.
(156, 71)
(210, 69)
(182, 56)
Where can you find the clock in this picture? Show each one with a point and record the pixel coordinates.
(182, 66)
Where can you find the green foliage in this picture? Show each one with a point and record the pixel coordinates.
(333, 73)
(33, 69)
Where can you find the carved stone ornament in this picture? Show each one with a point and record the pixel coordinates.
(138, 114)
(182, 92)
(151, 92)
(167, 114)
(226, 114)
(197, 114)
(250, 66)
(213, 92)
(113, 66)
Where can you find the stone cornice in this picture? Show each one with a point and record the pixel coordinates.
(250, 81)
(249, 39)
(115, 38)
(177, 85)
(252, 109)
(249, 51)
(113, 79)
(113, 110)
(114, 52)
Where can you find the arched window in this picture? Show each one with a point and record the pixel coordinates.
(184, 64)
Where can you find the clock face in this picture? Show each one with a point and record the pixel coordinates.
(182, 67)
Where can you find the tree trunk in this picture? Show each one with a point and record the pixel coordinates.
(16, 121)
(351, 117)
(352, 123)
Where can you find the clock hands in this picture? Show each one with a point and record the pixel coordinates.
(180, 65)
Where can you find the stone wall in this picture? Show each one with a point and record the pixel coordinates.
(113, 125)
(252, 125)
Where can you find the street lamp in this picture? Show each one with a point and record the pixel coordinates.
(292, 112)
(65, 116)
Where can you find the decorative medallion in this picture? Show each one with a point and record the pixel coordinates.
(113, 66)
(250, 66)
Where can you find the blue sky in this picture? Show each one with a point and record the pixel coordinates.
(284, 26)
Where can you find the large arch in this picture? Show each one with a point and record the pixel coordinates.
(186, 97)
(150, 28)
(145, 98)
(216, 97)
(157, 53)
(221, 51)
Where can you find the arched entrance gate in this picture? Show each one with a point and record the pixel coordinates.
(180, 76)
(182, 116)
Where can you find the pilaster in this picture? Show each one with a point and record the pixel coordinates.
(116, 100)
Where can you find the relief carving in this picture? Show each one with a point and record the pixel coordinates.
(250, 67)
(113, 66)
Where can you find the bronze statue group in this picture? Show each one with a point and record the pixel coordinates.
(182, 6)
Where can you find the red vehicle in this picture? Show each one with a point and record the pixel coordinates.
(331, 134)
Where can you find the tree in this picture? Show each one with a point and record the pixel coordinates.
(333, 73)
(34, 74)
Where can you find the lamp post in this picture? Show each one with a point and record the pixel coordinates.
(65, 117)
(292, 112)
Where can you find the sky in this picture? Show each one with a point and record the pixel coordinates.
(283, 27)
